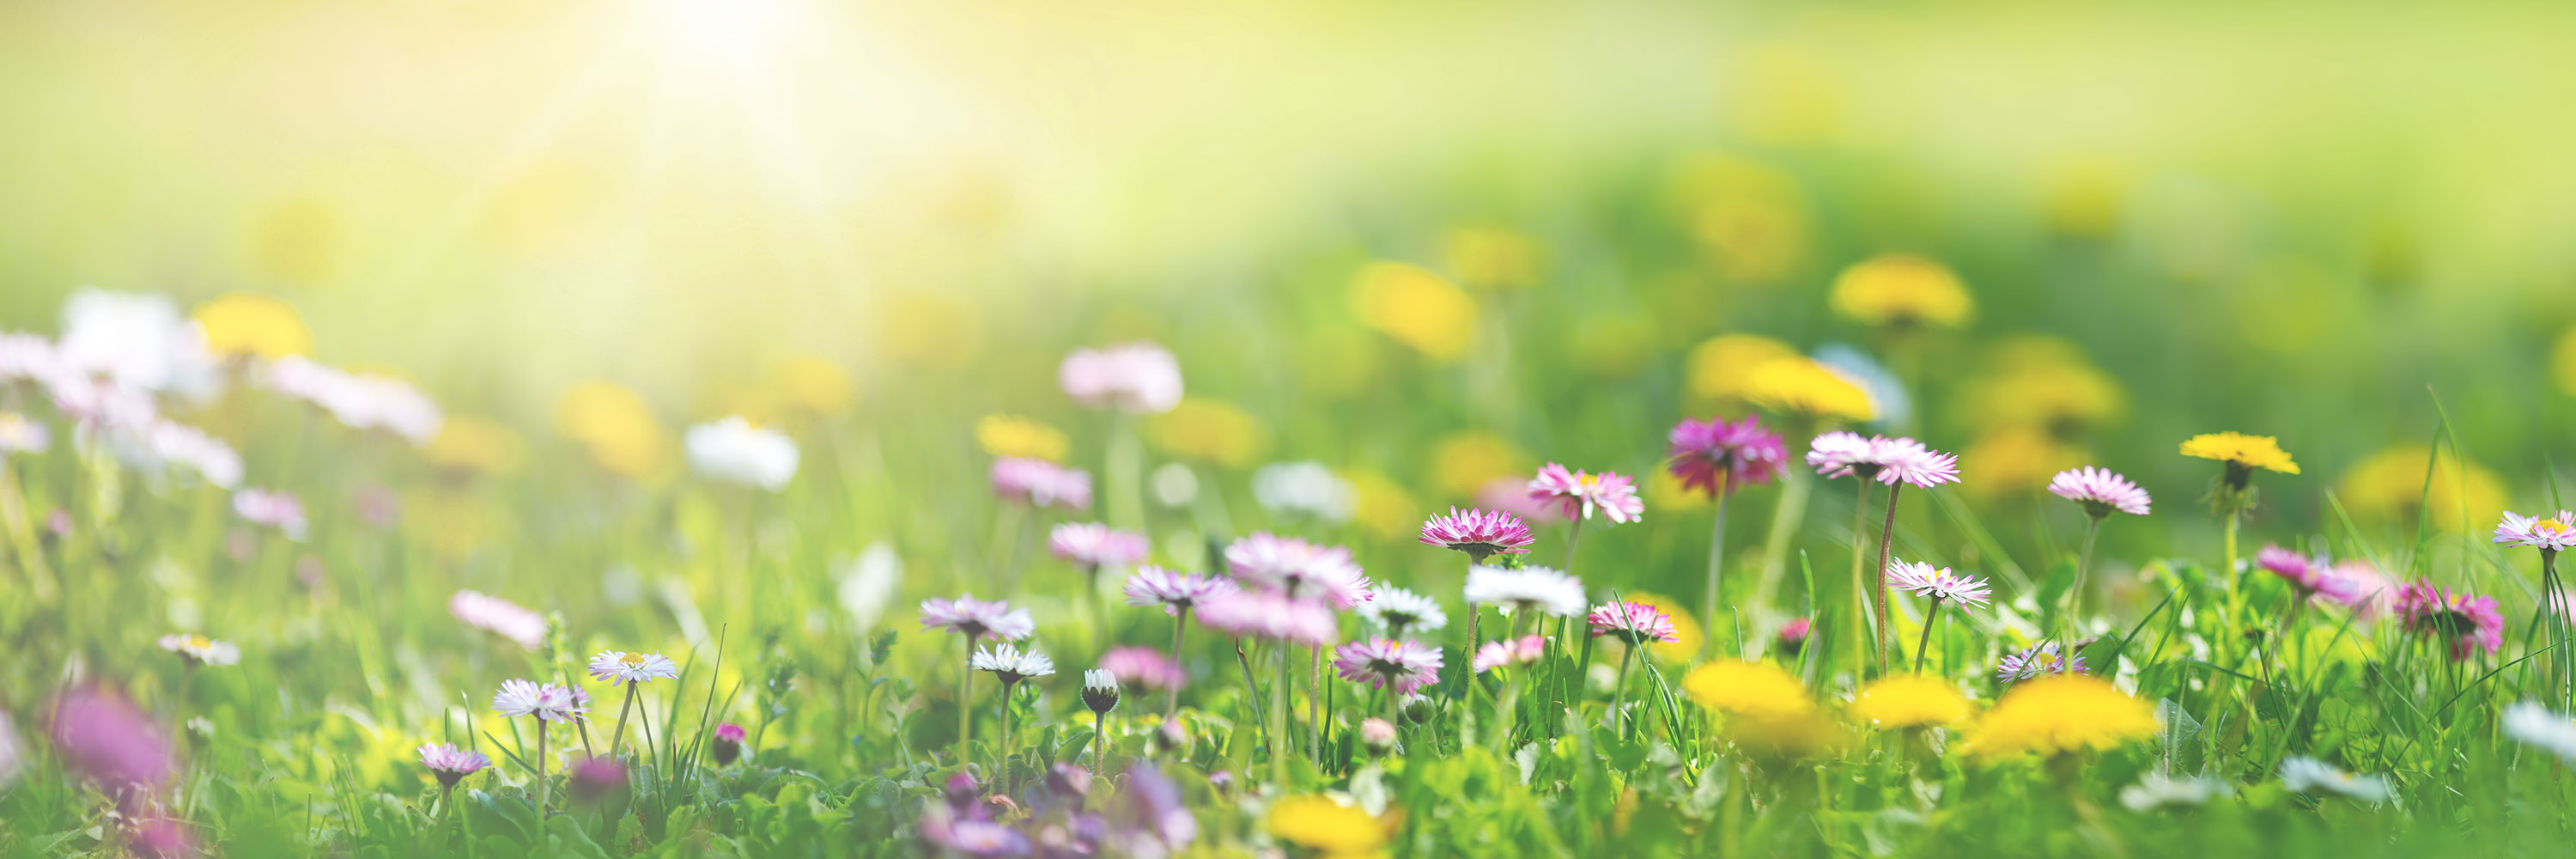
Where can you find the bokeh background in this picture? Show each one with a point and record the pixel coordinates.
(1513, 226)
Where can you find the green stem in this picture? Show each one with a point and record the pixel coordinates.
(1716, 562)
(1099, 741)
(2070, 616)
(966, 707)
(1279, 718)
(622, 710)
(1859, 629)
(1785, 518)
(541, 769)
(1172, 696)
(1619, 695)
(1573, 535)
(1924, 645)
(1886, 539)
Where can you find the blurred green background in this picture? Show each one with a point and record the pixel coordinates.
(2298, 219)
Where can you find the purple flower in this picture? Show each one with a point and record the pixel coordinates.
(499, 616)
(1578, 493)
(1139, 378)
(1792, 636)
(1272, 615)
(2554, 534)
(106, 739)
(1144, 666)
(1152, 809)
(728, 743)
(1938, 583)
(1479, 533)
(1633, 623)
(1094, 545)
(1175, 592)
(974, 618)
(1298, 569)
(1039, 483)
(1386, 662)
(164, 838)
(450, 763)
(2100, 491)
(1715, 456)
(2463, 622)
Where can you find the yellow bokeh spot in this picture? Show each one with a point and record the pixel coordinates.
(2389, 487)
(297, 241)
(1685, 627)
(1805, 387)
(1909, 701)
(1488, 258)
(1208, 431)
(1750, 219)
(1722, 368)
(1665, 492)
(2045, 382)
(1326, 827)
(1384, 509)
(244, 325)
(1021, 437)
(470, 444)
(1462, 462)
(2083, 197)
(1757, 689)
(615, 426)
(813, 386)
(929, 329)
(1416, 307)
(2013, 461)
(1901, 289)
(2058, 714)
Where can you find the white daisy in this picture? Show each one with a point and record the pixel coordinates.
(1010, 663)
(1396, 610)
(2536, 725)
(734, 451)
(1537, 588)
(2309, 775)
(200, 650)
(623, 667)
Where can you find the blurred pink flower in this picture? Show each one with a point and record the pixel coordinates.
(1579, 493)
(1039, 483)
(1140, 378)
(103, 737)
(1094, 545)
(1714, 456)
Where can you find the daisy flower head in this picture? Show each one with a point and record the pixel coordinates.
(1843, 453)
(728, 743)
(450, 763)
(1908, 461)
(1756, 689)
(1398, 611)
(1099, 690)
(1479, 533)
(2554, 534)
(992, 621)
(200, 650)
(2242, 454)
(733, 450)
(2303, 774)
(1385, 662)
(1909, 701)
(1137, 378)
(1632, 622)
(1298, 569)
(20, 435)
(1176, 592)
(1010, 663)
(1938, 583)
(1093, 545)
(1579, 493)
(275, 509)
(2101, 491)
(2060, 714)
(1040, 483)
(1716, 456)
(2312, 577)
(2155, 792)
(2534, 725)
(1145, 667)
(2036, 660)
(2463, 622)
(623, 667)
(1792, 636)
(1504, 653)
(1271, 615)
(545, 701)
(1526, 589)
(499, 616)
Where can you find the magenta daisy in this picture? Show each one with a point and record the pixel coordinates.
(1176, 592)
(1714, 456)
(1938, 583)
(450, 763)
(2100, 490)
(1272, 615)
(2311, 577)
(618, 666)
(1508, 652)
(1093, 545)
(1039, 483)
(2033, 661)
(1578, 493)
(2554, 534)
(1479, 533)
(1632, 622)
(2463, 622)
(974, 618)
(1386, 662)
(1145, 667)
(1298, 569)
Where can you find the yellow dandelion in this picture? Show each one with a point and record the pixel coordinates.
(470, 444)
(1461, 463)
(1901, 289)
(2061, 713)
(1909, 701)
(1488, 258)
(1385, 510)
(2390, 487)
(1758, 689)
(2242, 453)
(1208, 431)
(1685, 627)
(813, 386)
(1326, 827)
(1022, 437)
(615, 426)
(1749, 218)
(2043, 382)
(1804, 387)
(244, 325)
(1722, 368)
(1416, 307)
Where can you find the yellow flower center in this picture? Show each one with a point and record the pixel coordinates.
(2551, 526)
(632, 659)
(199, 641)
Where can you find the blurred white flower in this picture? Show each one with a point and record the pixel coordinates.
(359, 401)
(867, 583)
(1140, 378)
(20, 435)
(157, 447)
(2309, 775)
(140, 342)
(26, 356)
(2153, 792)
(276, 509)
(1175, 485)
(1306, 488)
(735, 451)
(2536, 725)
(13, 756)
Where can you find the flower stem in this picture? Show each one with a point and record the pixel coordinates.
(1619, 695)
(1315, 704)
(965, 709)
(1716, 562)
(1924, 645)
(1573, 535)
(2072, 615)
(1886, 537)
(1279, 718)
(622, 710)
(1172, 696)
(1859, 588)
(1099, 741)
(541, 769)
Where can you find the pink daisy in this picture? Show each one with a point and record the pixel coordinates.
(1404, 665)
(1272, 615)
(2100, 490)
(1714, 456)
(2554, 534)
(1479, 533)
(1145, 667)
(1886, 460)
(1511, 495)
(1633, 623)
(499, 616)
(1508, 652)
(2464, 622)
(279, 510)
(1139, 378)
(450, 763)
(1938, 583)
(1298, 569)
(1792, 636)
(1093, 545)
(1039, 483)
(1578, 493)
(974, 618)
(2311, 577)
(1176, 592)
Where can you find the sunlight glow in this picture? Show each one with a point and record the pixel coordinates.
(724, 29)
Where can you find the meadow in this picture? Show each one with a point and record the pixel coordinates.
(1804, 452)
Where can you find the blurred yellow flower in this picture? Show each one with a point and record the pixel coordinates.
(541, 206)
(1340, 360)
(1805, 387)
(2060, 713)
(928, 329)
(1385, 510)
(1909, 701)
(297, 241)
(1462, 462)
(2563, 364)
(1329, 828)
(1751, 219)
(1023, 437)
(1208, 431)
(2390, 487)
(1417, 308)
(1901, 289)
(2042, 382)
(615, 426)
(1685, 627)
(2012, 461)
(244, 325)
(2083, 197)
(1722, 368)
(1758, 689)
(813, 386)
(2241, 451)
(1665, 493)
(1489, 258)
(1781, 94)
(471, 444)
(1779, 737)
